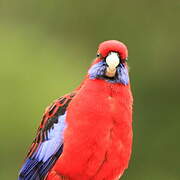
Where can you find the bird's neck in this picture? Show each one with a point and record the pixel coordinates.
(103, 86)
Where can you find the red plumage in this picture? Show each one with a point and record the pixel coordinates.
(98, 137)
(115, 46)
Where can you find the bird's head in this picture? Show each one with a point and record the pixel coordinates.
(110, 63)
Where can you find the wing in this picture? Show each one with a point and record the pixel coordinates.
(48, 144)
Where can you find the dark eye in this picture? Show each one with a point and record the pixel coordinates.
(98, 55)
(124, 60)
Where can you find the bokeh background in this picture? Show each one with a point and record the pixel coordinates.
(45, 50)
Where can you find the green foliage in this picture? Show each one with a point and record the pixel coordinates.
(45, 50)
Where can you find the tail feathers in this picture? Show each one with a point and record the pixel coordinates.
(30, 170)
(37, 170)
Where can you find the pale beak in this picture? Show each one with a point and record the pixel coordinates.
(112, 60)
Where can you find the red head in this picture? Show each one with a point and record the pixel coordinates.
(113, 46)
(110, 64)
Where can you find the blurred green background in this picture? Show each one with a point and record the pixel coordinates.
(45, 50)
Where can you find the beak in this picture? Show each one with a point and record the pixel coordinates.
(112, 60)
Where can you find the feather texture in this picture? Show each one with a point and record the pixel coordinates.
(87, 135)
(48, 144)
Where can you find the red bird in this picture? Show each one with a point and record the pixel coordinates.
(87, 134)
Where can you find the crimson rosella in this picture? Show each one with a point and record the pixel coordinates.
(87, 134)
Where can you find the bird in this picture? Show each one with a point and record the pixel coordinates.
(87, 134)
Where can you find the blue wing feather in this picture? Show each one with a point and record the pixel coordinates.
(48, 144)
(53, 142)
(41, 161)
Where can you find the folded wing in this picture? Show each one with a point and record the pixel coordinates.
(48, 144)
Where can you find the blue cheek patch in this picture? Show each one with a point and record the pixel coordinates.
(97, 71)
(123, 75)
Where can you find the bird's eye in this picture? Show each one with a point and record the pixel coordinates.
(98, 55)
(124, 60)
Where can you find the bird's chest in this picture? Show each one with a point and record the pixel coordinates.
(118, 117)
(108, 108)
(113, 107)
